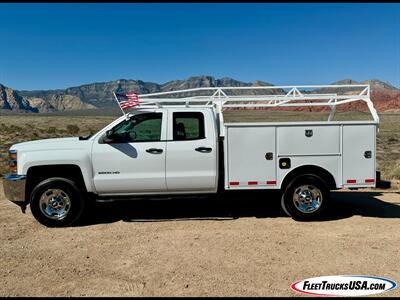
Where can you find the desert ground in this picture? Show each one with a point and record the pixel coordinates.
(243, 245)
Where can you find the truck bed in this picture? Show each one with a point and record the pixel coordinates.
(261, 155)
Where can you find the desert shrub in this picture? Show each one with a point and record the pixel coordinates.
(91, 130)
(396, 172)
(72, 129)
(51, 130)
(16, 128)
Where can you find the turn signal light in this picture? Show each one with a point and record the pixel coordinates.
(13, 168)
(12, 155)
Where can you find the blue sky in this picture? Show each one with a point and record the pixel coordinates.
(48, 46)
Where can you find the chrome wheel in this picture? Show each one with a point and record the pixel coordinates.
(55, 204)
(307, 198)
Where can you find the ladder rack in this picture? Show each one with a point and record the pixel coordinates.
(262, 97)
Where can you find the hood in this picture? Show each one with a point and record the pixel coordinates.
(46, 144)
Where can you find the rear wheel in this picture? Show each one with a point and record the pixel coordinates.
(305, 198)
(57, 202)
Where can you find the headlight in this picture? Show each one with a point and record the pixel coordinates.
(12, 156)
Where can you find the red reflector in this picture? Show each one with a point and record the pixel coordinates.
(252, 183)
(234, 183)
(351, 181)
(369, 180)
(271, 182)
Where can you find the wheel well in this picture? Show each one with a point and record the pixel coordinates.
(310, 169)
(37, 174)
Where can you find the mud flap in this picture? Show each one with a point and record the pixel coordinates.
(22, 205)
(382, 184)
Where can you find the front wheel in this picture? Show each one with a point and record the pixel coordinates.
(305, 198)
(57, 202)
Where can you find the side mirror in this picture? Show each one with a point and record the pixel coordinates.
(106, 138)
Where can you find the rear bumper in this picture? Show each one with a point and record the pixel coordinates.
(14, 188)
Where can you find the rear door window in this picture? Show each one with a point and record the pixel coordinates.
(188, 126)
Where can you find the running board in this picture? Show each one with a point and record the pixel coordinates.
(109, 199)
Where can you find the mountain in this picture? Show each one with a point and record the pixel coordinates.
(378, 84)
(375, 84)
(64, 101)
(385, 96)
(15, 101)
(99, 94)
(10, 100)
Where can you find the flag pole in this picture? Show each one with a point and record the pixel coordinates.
(116, 99)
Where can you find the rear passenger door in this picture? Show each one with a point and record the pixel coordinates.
(191, 159)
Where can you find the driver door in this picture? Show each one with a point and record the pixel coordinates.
(132, 158)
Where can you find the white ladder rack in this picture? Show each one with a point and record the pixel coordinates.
(267, 96)
(297, 96)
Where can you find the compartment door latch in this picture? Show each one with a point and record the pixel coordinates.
(368, 154)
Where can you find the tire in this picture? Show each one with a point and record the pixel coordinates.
(57, 202)
(283, 205)
(306, 198)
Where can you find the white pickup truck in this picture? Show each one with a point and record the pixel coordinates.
(174, 144)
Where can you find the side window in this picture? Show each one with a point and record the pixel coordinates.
(139, 128)
(188, 126)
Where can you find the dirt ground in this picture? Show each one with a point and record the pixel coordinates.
(199, 247)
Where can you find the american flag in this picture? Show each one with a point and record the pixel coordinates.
(127, 100)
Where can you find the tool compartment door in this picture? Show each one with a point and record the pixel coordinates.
(248, 166)
(308, 140)
(357, 168)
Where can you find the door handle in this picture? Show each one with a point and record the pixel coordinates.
(154, 151)
(203, 149)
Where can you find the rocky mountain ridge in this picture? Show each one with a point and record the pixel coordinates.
(12, 100)
(99, 94)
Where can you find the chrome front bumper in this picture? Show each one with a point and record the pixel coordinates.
(14, 188)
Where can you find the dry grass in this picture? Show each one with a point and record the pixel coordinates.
(19, 128)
